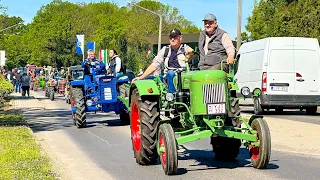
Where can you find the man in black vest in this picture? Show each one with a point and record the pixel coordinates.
(215, 46)
(172, 57)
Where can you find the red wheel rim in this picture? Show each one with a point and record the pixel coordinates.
(255, 151)
(135, 125)
(163, 154)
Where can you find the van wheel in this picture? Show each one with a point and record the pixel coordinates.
(311, 110)
(279, 110)
(257, 109)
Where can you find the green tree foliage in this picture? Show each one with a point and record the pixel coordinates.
(50, 38)
(274, 18)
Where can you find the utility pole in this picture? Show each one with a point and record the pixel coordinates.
(239, 24)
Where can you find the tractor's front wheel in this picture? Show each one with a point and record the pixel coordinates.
(168, 149)
(144, 118)
(257, 108)
(260, 155)
(80, 116)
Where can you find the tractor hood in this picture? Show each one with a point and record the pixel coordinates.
(209, 76)
(206, 87)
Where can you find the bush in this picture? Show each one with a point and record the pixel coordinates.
(5, 89)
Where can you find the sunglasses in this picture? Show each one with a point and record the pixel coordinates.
(174, 38)
(208, 22)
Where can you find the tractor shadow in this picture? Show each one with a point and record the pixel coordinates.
(205, 160)
(104, 119)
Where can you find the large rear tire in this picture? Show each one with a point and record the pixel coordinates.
(260, 156)
(81, 115)
(144, 118)
(51, 94)
(168, 149)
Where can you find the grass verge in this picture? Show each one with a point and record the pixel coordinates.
(20, 155)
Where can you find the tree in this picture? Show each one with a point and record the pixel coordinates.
(50, 38)
(284, 18)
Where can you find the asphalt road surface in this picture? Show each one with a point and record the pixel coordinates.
(107, 143)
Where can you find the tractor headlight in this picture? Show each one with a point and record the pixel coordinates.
(245, 91)
(169, 97)
(89, 103)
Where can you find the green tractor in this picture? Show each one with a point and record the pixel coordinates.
(205, 106)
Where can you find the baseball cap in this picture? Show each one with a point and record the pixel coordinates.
(209, 17)
(174, 33)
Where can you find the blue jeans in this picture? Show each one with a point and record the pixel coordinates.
(169, 78)
(18, 86)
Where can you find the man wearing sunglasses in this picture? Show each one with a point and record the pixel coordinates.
(173, 58)
(215, 46)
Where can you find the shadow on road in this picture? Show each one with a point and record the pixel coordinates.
(206, 158)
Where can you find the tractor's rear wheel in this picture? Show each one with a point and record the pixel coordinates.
(80, 116)
(235, 111)
(168, 149)
(144, 118)
(51, 94)
(225, 148)
(260, 156)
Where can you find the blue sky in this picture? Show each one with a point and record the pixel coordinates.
(193, 10)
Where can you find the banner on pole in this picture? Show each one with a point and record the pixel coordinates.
(103, 55)
(80, 44)
(91, 45)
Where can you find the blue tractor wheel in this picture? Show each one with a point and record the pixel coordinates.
(80, 116)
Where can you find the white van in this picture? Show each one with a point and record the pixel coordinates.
(285, 69)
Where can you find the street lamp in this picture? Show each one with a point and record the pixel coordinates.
(160, 23)
(10, 27)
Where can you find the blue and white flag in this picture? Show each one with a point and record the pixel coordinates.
(91, 45)
(80, 44)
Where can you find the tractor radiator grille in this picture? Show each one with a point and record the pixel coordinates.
(213, 93)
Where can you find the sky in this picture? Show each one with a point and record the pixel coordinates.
(226, 11)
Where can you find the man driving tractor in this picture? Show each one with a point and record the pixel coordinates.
(173, 58)
(93, 61)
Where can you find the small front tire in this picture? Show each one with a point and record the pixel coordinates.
(168, 149)
(260, 156)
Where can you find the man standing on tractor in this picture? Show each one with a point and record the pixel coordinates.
(215, 46)
(92, 60)
(173, 58)
(114, 64)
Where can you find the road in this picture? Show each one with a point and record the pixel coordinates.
(107, 144)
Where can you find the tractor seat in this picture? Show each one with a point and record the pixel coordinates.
(123, 79)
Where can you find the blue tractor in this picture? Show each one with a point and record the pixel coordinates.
(94, 93)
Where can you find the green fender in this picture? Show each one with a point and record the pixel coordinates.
(143, 86)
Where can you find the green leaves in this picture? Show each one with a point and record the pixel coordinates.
(50, 38)
(285, 18)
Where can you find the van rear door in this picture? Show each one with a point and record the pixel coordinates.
(306, 67)
(280, 70)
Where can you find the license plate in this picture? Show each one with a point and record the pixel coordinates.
(216, 108)
(279, 88)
